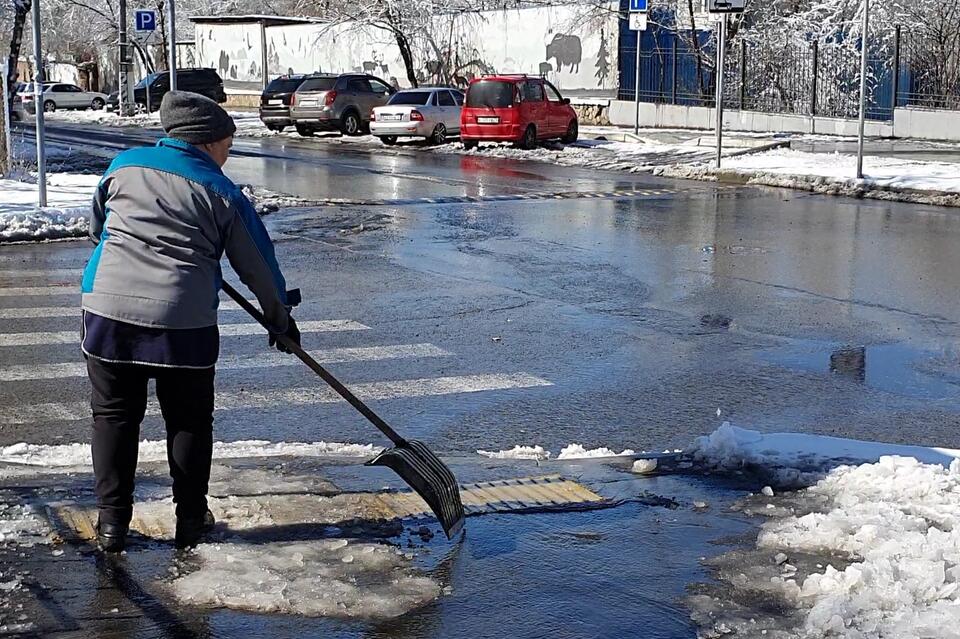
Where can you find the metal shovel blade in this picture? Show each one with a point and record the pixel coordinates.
(423, 471)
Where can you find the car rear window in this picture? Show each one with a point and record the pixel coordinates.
(410, 97)
(284, 85)
(317, 84)
(490, 94)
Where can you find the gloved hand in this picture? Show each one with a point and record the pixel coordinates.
(292, 332)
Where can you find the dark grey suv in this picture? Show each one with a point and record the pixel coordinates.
(326, 102)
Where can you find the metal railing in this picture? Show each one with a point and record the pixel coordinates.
(808, 79)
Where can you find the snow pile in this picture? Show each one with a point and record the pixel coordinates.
(594, 154)
(68, 199)
(576, 451)
(573, 451)
(65, 455)
(885, 177)
(330, 578)
(517, 452)
(104, 118)
(731, 448)
(898, 521)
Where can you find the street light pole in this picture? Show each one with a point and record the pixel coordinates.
(171, 4)
(721, 42)
(863, 87)
(38, 107)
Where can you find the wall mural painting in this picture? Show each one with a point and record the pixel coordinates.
(574, 46)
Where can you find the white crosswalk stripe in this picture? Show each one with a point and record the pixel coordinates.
(41, 312)
(231, 362)
(74, 411)
(31, 291)
(226, 330)
(51, 273)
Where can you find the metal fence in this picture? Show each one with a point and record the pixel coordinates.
(812, 79)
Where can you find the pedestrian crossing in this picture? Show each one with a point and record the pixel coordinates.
(18, 363)
(34, 338)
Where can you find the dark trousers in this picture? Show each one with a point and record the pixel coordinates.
(119, 401)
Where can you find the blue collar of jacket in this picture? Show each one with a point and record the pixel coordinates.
(186, 147)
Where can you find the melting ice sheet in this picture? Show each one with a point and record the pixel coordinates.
(331, 578)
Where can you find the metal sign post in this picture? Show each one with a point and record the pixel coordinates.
(721, 34)
(719, 10)
(171, 5)
(38, 107)
(8, 113)
(863, 86)
(638, 24)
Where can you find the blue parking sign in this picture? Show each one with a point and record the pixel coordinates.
(147, 19)
(638, 5)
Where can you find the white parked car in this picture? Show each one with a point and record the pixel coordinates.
(431, 113)
(57, 95)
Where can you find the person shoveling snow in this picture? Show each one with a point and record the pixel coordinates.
(162, 219)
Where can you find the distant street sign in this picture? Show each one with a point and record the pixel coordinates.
(725, 6)
(638, 6)
(638, 22)
(146, 20)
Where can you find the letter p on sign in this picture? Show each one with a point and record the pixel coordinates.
(146, 20)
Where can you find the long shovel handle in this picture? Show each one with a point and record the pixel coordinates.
(295, 348)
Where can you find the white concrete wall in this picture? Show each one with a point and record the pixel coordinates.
(578, 55)
(933, 124)
(694, 117)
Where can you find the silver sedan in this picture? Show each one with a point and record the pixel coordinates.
(58, 95)
(431, 113)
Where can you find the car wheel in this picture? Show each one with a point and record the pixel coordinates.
(350, 124)
(439, 135)
(468, 144)
(49, 106)
(98, 104)
(389, 140)
(529, 139)
(305, 131)
(573, 132)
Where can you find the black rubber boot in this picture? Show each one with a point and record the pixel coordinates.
(111, 537)
(191, 529)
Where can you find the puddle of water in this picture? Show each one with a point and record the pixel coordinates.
(892, 368)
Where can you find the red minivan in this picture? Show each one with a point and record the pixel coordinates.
(522, 109)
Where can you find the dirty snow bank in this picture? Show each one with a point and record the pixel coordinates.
(330, 578)
(517, 452)
(885, 177)
(730, 447)
(594, 154)
(877, 555)
(66, 455)
(68, 198)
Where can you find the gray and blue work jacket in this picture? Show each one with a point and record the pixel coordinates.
(162, 218)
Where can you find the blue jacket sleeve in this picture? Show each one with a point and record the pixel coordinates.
(251, 254)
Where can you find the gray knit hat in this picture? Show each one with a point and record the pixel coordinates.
(194, 118)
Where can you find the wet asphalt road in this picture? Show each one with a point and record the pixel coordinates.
(615, 321)
(644, 314)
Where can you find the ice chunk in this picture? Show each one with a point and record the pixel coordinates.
(643, 466)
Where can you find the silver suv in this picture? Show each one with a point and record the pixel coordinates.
(337, 102)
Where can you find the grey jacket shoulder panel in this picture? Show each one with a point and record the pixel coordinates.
(162, 226)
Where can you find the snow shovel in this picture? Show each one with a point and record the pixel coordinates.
(416, 464)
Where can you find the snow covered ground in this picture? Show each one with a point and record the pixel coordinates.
(871, 549)
(884, 177)
(68, 198)
(573, 451)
